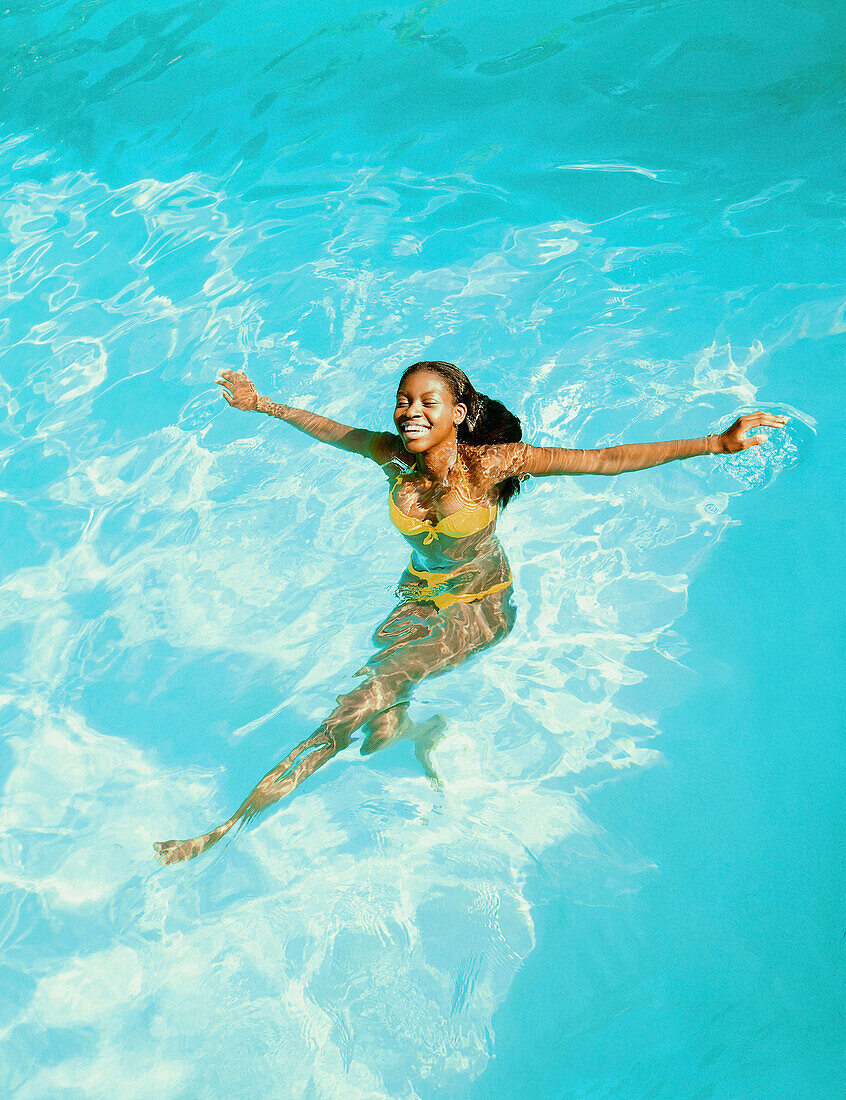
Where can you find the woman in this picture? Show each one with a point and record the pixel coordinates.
(455, 459)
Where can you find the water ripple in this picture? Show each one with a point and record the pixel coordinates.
(185, 590)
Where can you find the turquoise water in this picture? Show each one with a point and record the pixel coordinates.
(626, 221)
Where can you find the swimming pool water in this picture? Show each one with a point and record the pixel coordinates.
(624, 220)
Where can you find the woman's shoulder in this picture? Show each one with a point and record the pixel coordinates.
(385, 449)
(492, 462)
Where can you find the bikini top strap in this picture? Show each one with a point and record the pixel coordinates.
(463, 472)
(462, 469)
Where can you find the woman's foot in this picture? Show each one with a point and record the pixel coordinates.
(175, 851)
(426, 737)
(178, 851)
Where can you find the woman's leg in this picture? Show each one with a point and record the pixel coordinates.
(393, 724)
(421, 642)
(383, 728)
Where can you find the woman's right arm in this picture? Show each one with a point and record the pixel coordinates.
(240, 392)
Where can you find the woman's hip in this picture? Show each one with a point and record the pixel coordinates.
(461, 586)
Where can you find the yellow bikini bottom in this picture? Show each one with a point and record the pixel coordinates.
(436, 588)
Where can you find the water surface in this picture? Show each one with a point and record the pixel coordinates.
(626, 221)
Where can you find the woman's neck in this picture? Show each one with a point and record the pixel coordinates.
(436, 463)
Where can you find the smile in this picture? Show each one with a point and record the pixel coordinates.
(413, 429)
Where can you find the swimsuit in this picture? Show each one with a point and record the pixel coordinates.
(468, 520)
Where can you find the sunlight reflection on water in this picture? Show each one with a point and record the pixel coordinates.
(185, 589)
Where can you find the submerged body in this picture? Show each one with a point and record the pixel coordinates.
(455, 596)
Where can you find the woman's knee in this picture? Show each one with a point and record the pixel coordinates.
(377, 694)
(334, 736)
(384, 727)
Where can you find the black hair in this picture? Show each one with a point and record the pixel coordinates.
(487, 421)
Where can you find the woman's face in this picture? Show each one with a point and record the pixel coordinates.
(426, 413)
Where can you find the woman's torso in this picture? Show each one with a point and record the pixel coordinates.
(451, 529)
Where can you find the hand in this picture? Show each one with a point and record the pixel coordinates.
(731, 441)
(238, 390)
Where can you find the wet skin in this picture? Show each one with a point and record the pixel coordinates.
(418, 640)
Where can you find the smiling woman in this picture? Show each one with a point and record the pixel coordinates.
(457, 457)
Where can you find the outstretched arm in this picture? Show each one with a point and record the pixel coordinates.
(519, 458)
(240, 392)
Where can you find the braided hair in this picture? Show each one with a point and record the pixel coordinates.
(487, 421)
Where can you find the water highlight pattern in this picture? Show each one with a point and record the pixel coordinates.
(183, 593)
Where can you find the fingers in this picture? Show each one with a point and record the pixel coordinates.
(236, 385)
(761, 420)
(225, 390)
(734, 435)
(768, 420)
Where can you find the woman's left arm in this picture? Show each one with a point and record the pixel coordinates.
(520, 458)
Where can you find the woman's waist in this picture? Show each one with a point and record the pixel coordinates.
(469, 575)
(486, 555)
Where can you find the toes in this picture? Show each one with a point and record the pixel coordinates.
(170, 852)
(167, 851)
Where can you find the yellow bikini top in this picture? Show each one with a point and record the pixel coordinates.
(466, 521)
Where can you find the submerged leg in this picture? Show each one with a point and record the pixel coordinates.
(392, 724)
(287, 775)
(420, 643)
(384, 728)
(355, 708)
(426, 738)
